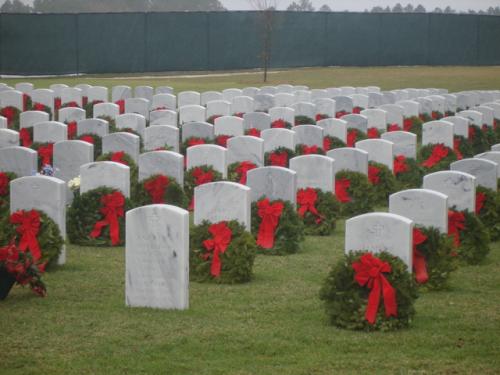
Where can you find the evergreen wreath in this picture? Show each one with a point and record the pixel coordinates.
(237, 171)
(304, 120)
(5, 179)
(443, 164)
(346, 301)
(331, 143)
(125, 160)
(277, 157)
(173, 193)
(462, 147)
(489, 134)
(12, 115)
(194, 141)
(302, 149)
(411, 177)
(474, 240)
(287, 234)
(26, 137)
(190, 179)
(236, 261)
(43, 148)
(328, 209)
(383, 181)
(85, 212)
(478, 140)
(93, 139)
(360, 192)
(280, 124)
(489, 210)
(111, 121)
(43, 108)
(89, 108)
(355, 135)
(414, 125)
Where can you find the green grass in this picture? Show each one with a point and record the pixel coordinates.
(388, 78)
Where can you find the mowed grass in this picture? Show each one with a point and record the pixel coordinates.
(273, 325)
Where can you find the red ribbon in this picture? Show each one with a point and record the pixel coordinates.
(280, 124)
(456, 148)
(72, 129)
(456, 223)
(373, 133)
(339, 114)
(71, 105)
(242, 170)
(480, 200)
(270, 215)
(321, 116)
(327, 144)
(307, 198)
(439, 152)
(221, 238)
(39, 107)
(28, 227)
(156, 188)
(200, 178)
(435, 115)
(308, 150)
(400, 165)
(25, 102)
(88, 139)
(407, 124)
(239, 114)
(357, 110)
(279, 159)
(4, 184)
(341, 192)
(9, 113)
(112, 209)
(374, 174)
(254, 132)
(393, 128)
(472, 132)
(221, 140)
(118, 157)
(195, 141)
(419, 262)
(46, 152)
(25, 136)
(57, 103)
(352, 135)
(369, 272)
(121, 105)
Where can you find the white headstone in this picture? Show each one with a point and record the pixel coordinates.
(21, 161)
(460, 188)
(349, 159)
(160, 136)
(435, 132)
(275, 183)
(405, 143)
(245, 148)
(105, 173)
(485, 171)
(314, 171)
(379, 151)
(165, 163)
(126, 142)
(8, 138)
(276, 138)
(211, 155)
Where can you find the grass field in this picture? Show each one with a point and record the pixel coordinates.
(273, 325)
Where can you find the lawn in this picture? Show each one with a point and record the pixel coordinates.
(273, 325)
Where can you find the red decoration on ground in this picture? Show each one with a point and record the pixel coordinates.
(270, 215)
(221, 238)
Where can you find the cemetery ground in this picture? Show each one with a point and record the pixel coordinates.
(275, 324)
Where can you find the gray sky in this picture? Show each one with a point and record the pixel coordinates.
(361, 5)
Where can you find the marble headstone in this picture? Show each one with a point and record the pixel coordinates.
(379, 151)
(314, 171)
(377, 118)
(358, 122)
(19, 160)
(165, 163)
(334, 128)
(273, 183)
(460, 125)
(163, 117)
(494, 156)
(198, 130)
(349, 159)
(211, 155)
(133, 121)
(282, 113)
(188, 98)
(106, 110)
(257, 120)
(71, 114)
(95, 126)
(105, 173)
(159, 136)
(276, 138)
(192, 113)
(218, 108)
(121, 141)
(228, 125)
(242, 104)
(50, 131)
(485, 171)
(435, 132)
(460, 188)
(405, 143)
(29, 118)
(8, 138)
(245, 148)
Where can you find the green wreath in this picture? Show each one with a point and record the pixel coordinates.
(345, 300)
(134, 170)
(97, 142)
(236, 262)
(286, 124)
(490, 135)
(464, 147)
(287, 235)
(496, 126)
(30, 131)
(111, 121)
(361, 192)
(328, 208)
(232, 174)
(5, 195)
(190, 181)
(437, 250)
(424, 117)
(478, 140)
(14, 124)
(279, 150)
(490, 212)
(387, 183)
(299, 150)
(411, 178)
(442, 165)
(36, 146)
(43, 108)
(185, 144)
(360, 135)
(304, 120)
(174, 194)
(474, 240)
(415, 127)
(85, 211)
(49, 237)
(331, 143)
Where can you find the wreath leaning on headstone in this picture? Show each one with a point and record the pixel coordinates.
(436, 157)
(318, 210)
(408, 172)
(488, 210)
(160, 189)
(93, 139)
(5, 179)
(279, 157)
(354, 192)
(383, 181)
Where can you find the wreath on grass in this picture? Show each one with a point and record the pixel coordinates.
(383, 181)
(478, 140)
(331, 143)
(413, 125)
(490, 135)
(373, 133)
(97, 217)
(425, 117)
(352, 292)
(27, 102)
(496, 126)
(355, 135)
(43, 108)
(436, 157)
(12, 115)
(160, 189)
(5, 179)
(408, 172)
(89, 108)
(221, 140)
(197, 176)
(321, 116)
(318, 210)
(432, 258)
(254, 132)
(33, 230)
(237, 172)
(223, 253)
(279, 157)
(302, 149)
(194, 141)
(462, 147)
(45, 153)
(280, 124)
(436, 115)
(488, 210)
(304, 120)
(470, 236)
(69, 105)
(277, 227)
(355, 193)
(93, 139)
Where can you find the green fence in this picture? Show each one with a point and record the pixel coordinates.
(154, 42)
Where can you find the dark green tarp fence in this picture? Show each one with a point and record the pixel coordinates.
(153, 42)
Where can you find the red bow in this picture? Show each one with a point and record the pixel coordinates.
(369, 272)
(9, 113)
(339, 114)
(121, 105)
(456, 148)
(434, 115)
(327, 144)
(221, 238)
(4, 184)
(28, 227)
(393, 128)
(39, 107)
(118, 157)
(25, 102)
(278, 124)
(321, 116)
(254, 132)
(352, 135)
(480, 200)
(439, 152)
(72, 129)
(46, 152)
(195, 141)
(374, 174)
(306, 198)
(357, 110)
(279, 159)
(373, 133)
(419, 262)
(112, 209)
(85, 100)
(456, 223)
(270, 215)
(341, 192)
(407, 124)
(308, 150)
(400, 165)
(57, 103)
(200, 178)
(87, 138)
(242, 170)
(25, 136)
(221, 140)
(472, 132)
(239, 114)
(156, 188)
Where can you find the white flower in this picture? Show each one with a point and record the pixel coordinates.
(74, 184)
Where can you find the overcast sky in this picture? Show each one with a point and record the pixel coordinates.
(361, 5)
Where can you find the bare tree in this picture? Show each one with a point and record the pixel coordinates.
(266, 10)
